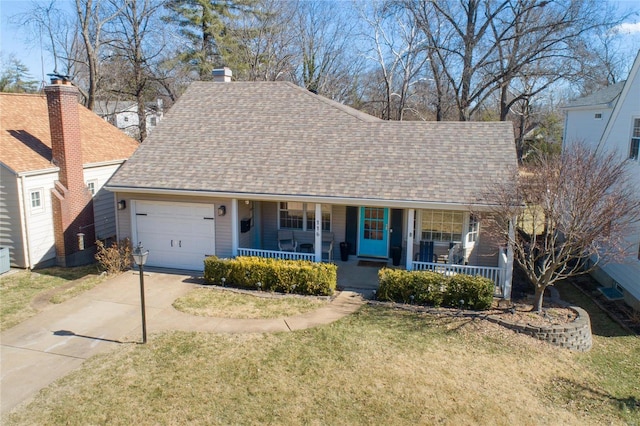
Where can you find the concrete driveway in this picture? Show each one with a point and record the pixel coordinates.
(57, 340)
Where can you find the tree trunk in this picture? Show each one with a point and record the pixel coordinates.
(539, 296)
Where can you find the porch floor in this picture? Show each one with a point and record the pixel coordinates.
(359, 279)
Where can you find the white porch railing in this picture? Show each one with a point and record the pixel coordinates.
(289, 255)
(494, 273)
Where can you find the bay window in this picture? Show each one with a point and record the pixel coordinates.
(441, 225)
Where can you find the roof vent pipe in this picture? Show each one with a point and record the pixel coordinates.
(222, 75)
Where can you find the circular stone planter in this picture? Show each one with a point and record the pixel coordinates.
(575, 335)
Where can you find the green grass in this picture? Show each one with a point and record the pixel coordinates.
(378, 366)
(18, 290)
(214, 302)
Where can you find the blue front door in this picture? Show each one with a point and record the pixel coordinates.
(374, 231)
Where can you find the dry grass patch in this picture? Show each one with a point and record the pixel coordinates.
(378, 366)
(214, 302)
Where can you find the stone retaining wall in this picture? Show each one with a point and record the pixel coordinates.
(575, 335)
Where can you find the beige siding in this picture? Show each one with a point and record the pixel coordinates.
(338, 225)
(245, 211)
(486, 249)
(11, 218)
(104, 214)
(103, 200)
(270, 225)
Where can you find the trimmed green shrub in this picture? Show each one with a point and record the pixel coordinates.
(469, 292)
(434, 289)
(284, 276)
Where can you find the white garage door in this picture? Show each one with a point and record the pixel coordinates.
(177, 235)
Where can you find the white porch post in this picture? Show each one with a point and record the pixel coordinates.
(410, 217)
(234, 227)
(318, 234)
(509, 266)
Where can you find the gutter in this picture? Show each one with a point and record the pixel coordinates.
(373, 202)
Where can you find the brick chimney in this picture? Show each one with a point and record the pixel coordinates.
(72, 202)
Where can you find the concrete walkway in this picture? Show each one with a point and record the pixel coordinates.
(56, 341)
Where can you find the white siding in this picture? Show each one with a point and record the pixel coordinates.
(11, 218)
(627, 271)
(39, 223)
(581, 126)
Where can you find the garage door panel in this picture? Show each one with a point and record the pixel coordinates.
(177, 235)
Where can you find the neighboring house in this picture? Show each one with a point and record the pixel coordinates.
(55, 158)
(609, 120)
(234, 163)
(124, 115)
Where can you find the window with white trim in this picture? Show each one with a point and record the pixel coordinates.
(441, 225)
(472, 233)
(91, 185)
(635, 140)
(36, 197)
(301, 216)
(598, 116)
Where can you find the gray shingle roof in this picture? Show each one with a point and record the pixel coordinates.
(277, 138)
(601, 97)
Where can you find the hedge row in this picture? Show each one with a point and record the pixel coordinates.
(434, 289)
(283, 276)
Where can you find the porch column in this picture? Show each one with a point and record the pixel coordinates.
(318, 235)
(234, 227)
(410, 216)
(509, 266)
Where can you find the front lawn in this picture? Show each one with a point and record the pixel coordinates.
(223, 303)
(19, 291)
(378, 366)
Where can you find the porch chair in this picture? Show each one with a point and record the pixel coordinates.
(456, 254)
(327, 245)
(286, 241)
(426, 253)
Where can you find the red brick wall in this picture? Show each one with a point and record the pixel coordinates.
(72, 202)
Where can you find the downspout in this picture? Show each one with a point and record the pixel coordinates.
(117, 215)
(25, 229)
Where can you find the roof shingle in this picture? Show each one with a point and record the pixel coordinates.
(276, 138)
(26, 140)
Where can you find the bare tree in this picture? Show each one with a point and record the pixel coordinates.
(483, 45)
(267, 41)
(397, 49)
(57, 32)
(92, 17)
(325, 62)
(572, 209)
(132, 37)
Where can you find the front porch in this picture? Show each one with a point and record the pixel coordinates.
(314, 232)
(354, 276)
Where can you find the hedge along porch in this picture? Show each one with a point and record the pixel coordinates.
(280, 158)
